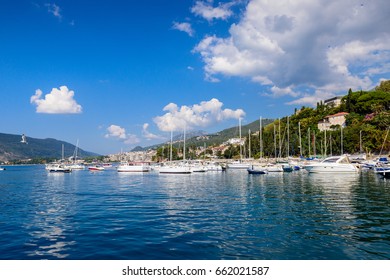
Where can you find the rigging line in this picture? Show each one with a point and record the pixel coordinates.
(387, 133)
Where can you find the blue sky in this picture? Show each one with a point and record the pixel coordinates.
(117, 74)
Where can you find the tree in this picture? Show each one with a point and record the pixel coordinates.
(231, 152)
(384, 86)
(163, 153)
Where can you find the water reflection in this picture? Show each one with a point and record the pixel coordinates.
(49, 223)
(226, 215)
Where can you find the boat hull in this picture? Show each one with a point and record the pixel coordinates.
(331, 168)
(77, 167)
(60, 170)
(174, 170)
(274, 168)
(95, 168)
(385, 174)
(238, 166)
(133, 167)
(256, 172)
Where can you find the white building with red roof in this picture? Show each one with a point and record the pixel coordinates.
(331, 120)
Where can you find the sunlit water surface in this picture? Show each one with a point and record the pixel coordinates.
(225, 215)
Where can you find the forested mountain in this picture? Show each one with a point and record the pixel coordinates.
(11, 148)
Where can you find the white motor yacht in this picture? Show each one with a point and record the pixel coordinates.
(334, 164)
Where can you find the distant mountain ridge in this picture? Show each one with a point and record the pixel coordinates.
(189, 134)
(11, 148)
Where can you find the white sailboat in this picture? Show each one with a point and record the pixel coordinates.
(58, 166)
(274, 167)
(75, 165)
(175, 167)
(197, 166)
(214, 166)
(239, 164)
(126, 166)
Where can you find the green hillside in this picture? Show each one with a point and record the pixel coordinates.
(12, 149)
(226, 134)
(199, 138)
(366, 131)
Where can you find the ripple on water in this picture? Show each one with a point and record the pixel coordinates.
(228, 215)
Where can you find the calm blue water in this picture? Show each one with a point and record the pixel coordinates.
(229, 215)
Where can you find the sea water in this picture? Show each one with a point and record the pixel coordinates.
(206, 216)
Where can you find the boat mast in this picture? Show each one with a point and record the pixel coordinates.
(249, 149)
(75, 151)
(239, 129)
(184, 145)
(341, 135)
(308, 138)
(288, 136)
(275, 141)
(261, 138)
(325, 143)
(383, 144)
(280, 142)
(300, 139)
(170, 153)
(314, 144)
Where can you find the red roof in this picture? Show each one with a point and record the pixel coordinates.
(337, 115)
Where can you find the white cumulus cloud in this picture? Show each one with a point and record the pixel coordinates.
(199, 115)
(185, 27)
(117, 132)
(206, 10)
(58, 101)
(313, 44)
(148, 135)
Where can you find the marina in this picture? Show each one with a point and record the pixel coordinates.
(195, 140)
(205, 215)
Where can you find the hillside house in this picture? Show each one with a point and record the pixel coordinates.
(235, 141)
(331, 120)
(333, 102)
